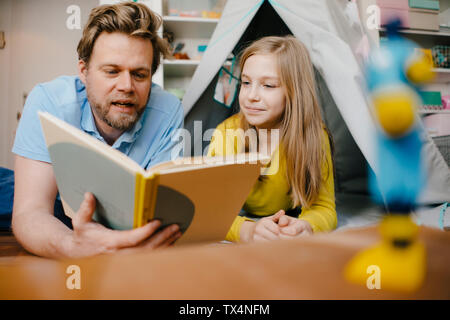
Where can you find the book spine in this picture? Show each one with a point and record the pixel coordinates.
(145, 199)
(150, 195)
(139, 196)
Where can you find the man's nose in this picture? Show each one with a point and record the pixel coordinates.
(125, 82)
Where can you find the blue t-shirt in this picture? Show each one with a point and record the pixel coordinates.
(150, 141)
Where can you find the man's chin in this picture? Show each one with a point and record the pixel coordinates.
(122, 122)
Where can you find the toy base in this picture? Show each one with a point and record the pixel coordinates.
(388, 267)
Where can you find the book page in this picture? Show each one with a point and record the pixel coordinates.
(79, 170)
(217, 194)
(83, 164)
(195, 163)
(57, 130)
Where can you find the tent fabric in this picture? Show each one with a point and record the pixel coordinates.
(330, 55)
(334, 39)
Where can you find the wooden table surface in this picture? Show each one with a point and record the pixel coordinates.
(306, 268)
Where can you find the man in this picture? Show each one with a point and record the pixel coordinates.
(113, 99)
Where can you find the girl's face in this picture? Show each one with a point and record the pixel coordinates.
(262, 98)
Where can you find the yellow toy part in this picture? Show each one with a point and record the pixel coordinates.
(395, 111)
(398, 263)
(420, 69)
(398, 227)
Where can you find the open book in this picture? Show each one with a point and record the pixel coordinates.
(202, 197)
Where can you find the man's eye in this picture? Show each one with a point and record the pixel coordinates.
(111, 71)
(140, 75)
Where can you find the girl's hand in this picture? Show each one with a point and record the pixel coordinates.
(291, 227)
(264, 229)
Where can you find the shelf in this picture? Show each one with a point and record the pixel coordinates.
(443, 32)
(433, 111)
(186, 27)
(180, 68)
(443, 75)
(192, 32)
(426, 38)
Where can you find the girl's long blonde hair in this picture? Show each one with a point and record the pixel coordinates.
(301, 129)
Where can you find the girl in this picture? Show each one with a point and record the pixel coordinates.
(278, 93)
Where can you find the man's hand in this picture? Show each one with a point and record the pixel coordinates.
(291, 227)
(41, 233)
(91, 238)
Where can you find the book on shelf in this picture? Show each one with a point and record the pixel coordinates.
(431, 100)
(424, 4)
(414, 14)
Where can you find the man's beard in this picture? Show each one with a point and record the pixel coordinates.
(120, 121)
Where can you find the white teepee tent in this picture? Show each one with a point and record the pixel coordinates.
(331, 31)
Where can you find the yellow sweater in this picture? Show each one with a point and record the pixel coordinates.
(271, 194)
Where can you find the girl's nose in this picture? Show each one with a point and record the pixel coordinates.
(253, 93)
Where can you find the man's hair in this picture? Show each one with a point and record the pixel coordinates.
(133, 19)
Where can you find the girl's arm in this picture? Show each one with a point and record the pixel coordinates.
(234, 234)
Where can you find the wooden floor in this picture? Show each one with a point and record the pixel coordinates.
(306, 268)
(9, 245)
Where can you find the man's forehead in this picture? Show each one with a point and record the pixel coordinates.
(115, 65)
(118, 48)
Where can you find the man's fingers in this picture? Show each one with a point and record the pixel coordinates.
(87, 209)
(163, 236)
(171, 240)
(131, 238)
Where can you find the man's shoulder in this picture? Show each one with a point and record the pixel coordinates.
(163, 101)
(63, 90)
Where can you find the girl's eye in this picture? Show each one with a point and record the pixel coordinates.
(269, 86)
(245, 83)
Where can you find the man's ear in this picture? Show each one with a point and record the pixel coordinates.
(82, 70)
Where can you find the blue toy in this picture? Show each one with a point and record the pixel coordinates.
(394, 73)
